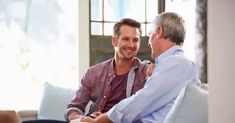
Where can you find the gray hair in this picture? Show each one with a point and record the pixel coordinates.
(173, 26)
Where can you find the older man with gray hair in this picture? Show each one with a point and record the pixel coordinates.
(173, 72)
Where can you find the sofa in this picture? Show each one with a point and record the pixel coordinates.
(190, 106)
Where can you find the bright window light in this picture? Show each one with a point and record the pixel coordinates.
(37, 44)
(187, 9)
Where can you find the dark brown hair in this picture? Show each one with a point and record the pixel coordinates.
(128, 22)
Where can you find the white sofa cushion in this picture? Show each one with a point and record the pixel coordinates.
(54, 102)
(190, 106)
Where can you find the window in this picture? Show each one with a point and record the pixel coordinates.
(187, 9)
(105, 13)
(37, 44)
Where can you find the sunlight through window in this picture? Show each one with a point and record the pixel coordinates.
(37, 45)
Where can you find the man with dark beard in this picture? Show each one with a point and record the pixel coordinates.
(111, 81)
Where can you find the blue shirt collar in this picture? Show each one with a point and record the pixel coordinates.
(168, 52)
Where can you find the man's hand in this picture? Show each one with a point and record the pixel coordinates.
(149, 70)
(87, 119)
(103, 118)
(74, 115)
(91, 118)
(95, 114)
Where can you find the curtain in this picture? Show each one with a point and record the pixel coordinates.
(201, 38)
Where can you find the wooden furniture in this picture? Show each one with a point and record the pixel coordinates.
(9, 116)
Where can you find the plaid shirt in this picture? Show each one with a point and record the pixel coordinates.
(96, 85)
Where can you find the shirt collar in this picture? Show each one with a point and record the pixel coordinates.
(134, 65)
(168, 52)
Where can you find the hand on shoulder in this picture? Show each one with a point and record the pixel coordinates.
(149, 70)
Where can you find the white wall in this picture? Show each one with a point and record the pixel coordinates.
(83, 36)
(221, 60)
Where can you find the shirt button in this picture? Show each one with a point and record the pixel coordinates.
(104, 97)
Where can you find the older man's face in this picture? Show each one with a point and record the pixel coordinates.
(152, 43)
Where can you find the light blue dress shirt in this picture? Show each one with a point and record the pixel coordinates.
(151, 104)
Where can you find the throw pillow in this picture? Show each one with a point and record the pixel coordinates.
(190, 106)
(54, 102)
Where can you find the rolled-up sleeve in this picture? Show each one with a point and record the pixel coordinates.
(82, 96)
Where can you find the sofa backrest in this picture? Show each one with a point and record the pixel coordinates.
(191, 106)
(54, 102)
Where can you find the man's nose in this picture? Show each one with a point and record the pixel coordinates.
(131, 43)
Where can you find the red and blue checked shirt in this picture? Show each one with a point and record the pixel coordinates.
(96, 85)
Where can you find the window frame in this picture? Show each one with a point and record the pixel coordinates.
(104, 54)
(161, 8)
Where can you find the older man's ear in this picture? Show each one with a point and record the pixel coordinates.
(9, 117)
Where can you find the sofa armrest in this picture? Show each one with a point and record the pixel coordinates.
(28, 114)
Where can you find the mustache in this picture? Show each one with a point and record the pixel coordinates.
(130, 48)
